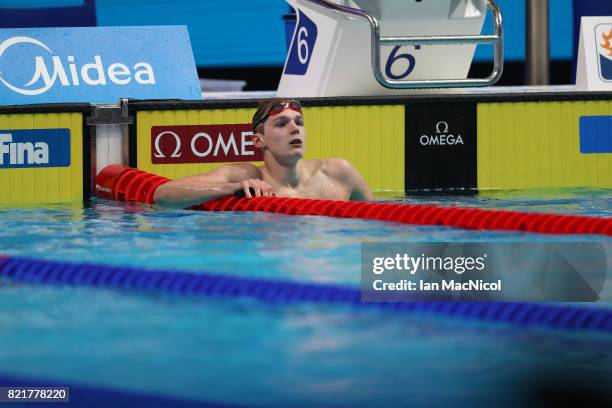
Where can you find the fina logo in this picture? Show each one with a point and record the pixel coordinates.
(118, 73)
(441, 138)
(23, 153)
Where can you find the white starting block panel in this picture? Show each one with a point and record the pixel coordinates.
(594, 69)
(333, 52)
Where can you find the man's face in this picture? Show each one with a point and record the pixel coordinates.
(284, 135)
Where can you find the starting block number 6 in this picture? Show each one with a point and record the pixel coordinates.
(302, 35)
(305, 38)
(395, 57)
(302, 46)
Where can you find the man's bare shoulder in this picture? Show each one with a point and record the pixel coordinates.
(343, 171)
(328, 166)
(227, 173)
(340, 169)
(240, 171)
(249, 168)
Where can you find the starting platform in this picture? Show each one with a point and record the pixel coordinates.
(385, 47)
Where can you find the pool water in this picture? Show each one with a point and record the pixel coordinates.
(249, 353)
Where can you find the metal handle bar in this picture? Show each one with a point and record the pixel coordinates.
(497, 39)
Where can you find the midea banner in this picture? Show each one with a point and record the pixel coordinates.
(96, 64)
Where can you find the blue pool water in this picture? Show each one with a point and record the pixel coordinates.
(249, 353)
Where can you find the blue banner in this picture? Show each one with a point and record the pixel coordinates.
(596, 134)
(34, 148)
(96, 64)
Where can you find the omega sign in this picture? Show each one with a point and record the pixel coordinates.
(441, 137)
(203, 144)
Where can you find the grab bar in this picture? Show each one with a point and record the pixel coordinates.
(497, 39)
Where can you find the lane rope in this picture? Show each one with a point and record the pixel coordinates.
(208, 285)
(122, 183)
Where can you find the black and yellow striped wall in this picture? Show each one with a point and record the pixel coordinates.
(536, 144)
(371, 137)
(453, 143)
(449, 144)
(33, 184)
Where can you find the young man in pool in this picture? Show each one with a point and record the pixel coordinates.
(278, 130)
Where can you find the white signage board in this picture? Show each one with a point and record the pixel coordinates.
(594, 68)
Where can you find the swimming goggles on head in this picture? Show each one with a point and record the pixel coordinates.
(277, 108)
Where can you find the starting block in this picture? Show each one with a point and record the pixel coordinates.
(383, 47)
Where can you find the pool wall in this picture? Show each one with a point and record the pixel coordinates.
(57, 176)
(370, 137)
(538, 144)
(449, 143)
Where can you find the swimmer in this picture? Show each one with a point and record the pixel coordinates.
(278, 131)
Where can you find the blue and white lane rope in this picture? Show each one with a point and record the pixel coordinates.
(180, 283)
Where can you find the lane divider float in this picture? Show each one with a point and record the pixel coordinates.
(123, 183)
(208, 285)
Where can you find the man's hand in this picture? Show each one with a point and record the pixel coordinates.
(259, 188)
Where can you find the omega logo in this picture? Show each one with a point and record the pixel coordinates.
(203, 144)
(442, 137)
(177, 150)
(227, 145)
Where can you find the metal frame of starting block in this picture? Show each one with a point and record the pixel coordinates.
(326, 57)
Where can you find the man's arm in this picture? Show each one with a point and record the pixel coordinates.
(220, 182)
(344, 171)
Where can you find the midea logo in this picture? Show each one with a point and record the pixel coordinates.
(442, 137)
(94, 73)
